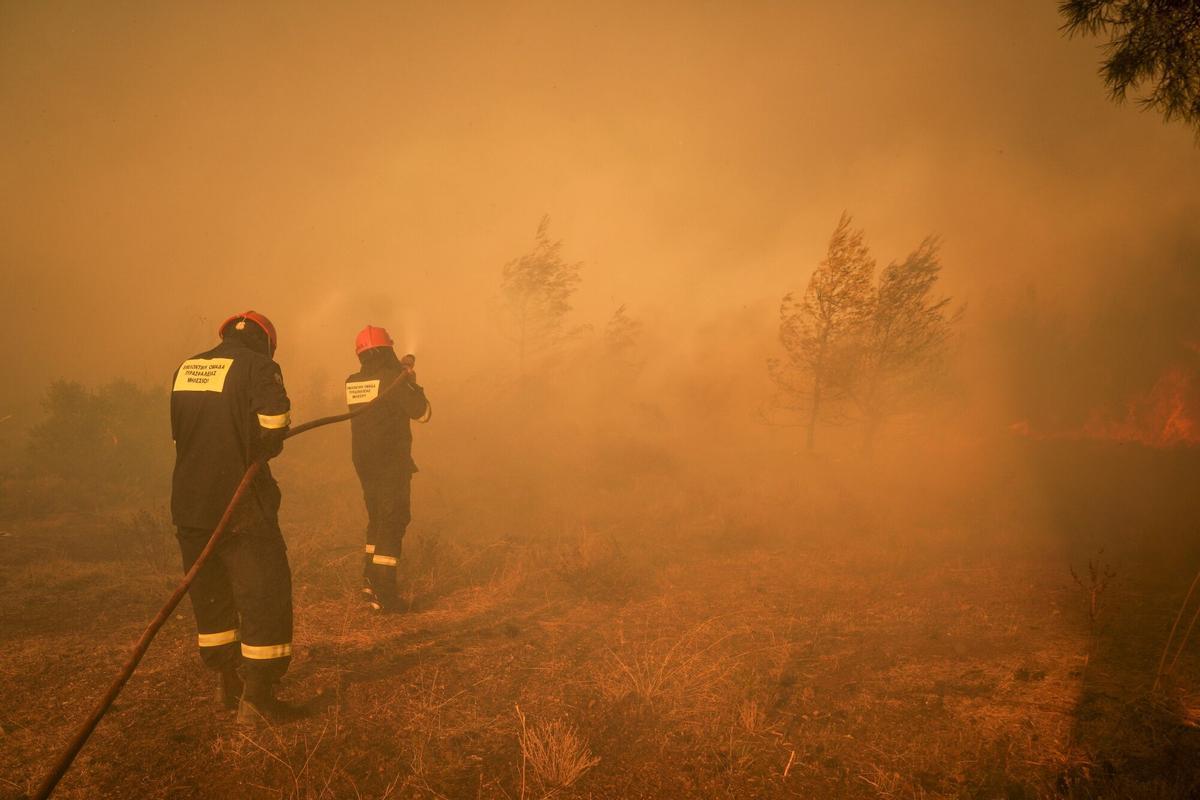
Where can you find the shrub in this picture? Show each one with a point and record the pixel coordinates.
(117, 434)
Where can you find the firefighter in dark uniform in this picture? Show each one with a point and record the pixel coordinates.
(228, 409)
(382, 450)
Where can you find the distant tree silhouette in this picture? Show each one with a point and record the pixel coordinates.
(1151, 43)
(819, 328)
(904, 342)
(621, 337)
(536, 290)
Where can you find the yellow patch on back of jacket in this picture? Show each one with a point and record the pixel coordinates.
(361, 391)
(202, 375)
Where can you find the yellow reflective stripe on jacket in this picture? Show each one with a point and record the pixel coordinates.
(275, 421)
(369, 548)
(218, 639)
(262, 652)
(386, 561)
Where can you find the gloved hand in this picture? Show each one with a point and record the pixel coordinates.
(269, 444)
(408, 372)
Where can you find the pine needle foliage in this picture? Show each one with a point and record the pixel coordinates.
(1152, 47)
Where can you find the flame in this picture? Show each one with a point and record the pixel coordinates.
(1165, 416)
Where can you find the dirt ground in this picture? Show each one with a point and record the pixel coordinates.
(692, 654)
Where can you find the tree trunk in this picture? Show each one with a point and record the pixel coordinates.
(874, 408)
(816, 408)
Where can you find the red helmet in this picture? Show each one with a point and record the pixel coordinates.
(258, 319)
(370, 337)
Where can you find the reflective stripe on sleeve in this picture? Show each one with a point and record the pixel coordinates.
(274, 422)
(218, 639)
(369, 548)
(266, 651)
(387, 561)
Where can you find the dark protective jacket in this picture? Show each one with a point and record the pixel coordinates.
(382, 437)
(228, 407)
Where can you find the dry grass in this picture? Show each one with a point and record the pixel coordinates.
(594, 566)
(751, 716)
(153, 538)
(555, 752)
(286, 761)
(680, 675)
(828, 674)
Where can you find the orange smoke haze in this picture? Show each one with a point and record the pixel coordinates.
(377, 163)
(167, 164)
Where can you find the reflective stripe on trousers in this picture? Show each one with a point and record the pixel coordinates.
(264, 652)
(218, 639)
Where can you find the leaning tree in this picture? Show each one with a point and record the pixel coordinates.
(818, 328)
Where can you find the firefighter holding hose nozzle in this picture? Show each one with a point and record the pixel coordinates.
(381, 442)
(229, 409)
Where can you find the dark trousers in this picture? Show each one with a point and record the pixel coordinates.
(242, 599)
(387, 492)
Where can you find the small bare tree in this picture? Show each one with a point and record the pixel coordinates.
(536, 290)
(818, 329)
(903, 346)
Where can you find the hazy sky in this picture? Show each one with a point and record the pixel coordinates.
(332, 164)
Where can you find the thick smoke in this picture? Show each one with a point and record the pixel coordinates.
(379, 164)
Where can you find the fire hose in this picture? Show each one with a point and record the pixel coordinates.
(139, 649)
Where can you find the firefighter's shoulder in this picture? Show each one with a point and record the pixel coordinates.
(260, 361)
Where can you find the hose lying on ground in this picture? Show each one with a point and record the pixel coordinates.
(135, 656)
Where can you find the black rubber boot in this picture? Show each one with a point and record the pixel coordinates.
(372, 599)
(229, 688)
(380, 589)
(259, 705)
(264, 708)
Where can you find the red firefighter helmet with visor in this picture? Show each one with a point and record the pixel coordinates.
(371, 337)
(239, 322)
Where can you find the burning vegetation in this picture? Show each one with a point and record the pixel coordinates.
(1164, 416)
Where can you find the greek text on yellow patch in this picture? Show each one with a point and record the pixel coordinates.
(202, 375)
(361, 391)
